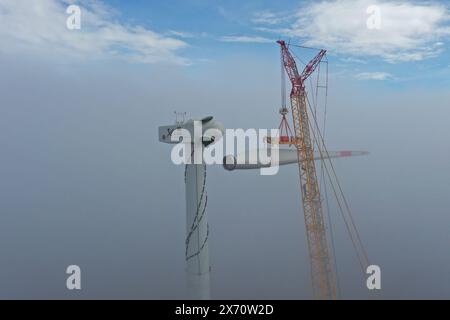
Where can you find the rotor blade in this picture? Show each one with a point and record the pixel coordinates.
(286, 156)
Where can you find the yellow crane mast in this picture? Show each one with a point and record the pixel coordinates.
(322, 271)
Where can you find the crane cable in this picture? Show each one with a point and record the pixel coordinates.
(355, 238)
(283, 84)
(330, 226)
(349, 221)
(328, 217)
(322, 170)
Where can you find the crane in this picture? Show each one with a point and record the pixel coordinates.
(322, 271)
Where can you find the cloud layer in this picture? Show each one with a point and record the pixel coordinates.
(39, 28)
(378, 76)
(246, 39)
(407, 32)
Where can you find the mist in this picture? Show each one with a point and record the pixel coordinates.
(85, 181)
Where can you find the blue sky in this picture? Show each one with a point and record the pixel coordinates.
(205, 25)
(410, 45)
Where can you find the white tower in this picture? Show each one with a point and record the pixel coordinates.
(201, 133)
(197, 232)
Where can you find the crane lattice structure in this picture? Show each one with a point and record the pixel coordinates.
(322, 271)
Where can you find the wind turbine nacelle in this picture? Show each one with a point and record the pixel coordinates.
(207, 132)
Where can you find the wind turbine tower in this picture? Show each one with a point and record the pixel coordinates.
(198, 267)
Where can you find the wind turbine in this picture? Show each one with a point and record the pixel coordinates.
(198, 266)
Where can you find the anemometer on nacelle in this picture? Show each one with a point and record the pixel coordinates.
(205, 131)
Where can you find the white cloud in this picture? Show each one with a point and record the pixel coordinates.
(39, 28)
(379, 76)
(180, 34)
(353, 60)
(246, 39)
(268, 17)
(409, 31)
(187, 35)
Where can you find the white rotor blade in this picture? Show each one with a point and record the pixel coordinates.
(286, 156)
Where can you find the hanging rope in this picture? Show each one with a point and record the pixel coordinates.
(200, 213)
(283, 84)
(339, 195)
